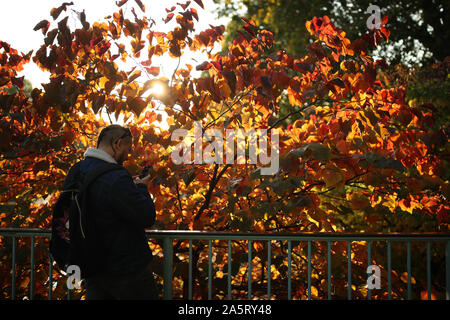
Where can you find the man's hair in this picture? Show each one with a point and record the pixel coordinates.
(112, 133)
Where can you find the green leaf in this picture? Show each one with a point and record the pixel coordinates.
(298, 202)
(382, 162)
(317, 150)
(188, 176)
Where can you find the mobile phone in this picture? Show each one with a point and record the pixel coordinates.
(145, 171)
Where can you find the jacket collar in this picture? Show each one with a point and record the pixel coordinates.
(99, 154)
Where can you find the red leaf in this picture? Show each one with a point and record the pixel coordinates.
(338, 82)
(382, 63)
(249, 30)
(153, 70)
(250, 22)
(103, 48)
(95, 41)
(17, 81)
(194, 13)
(134, 76)
(147, 62)
(43, 165)
(169, 17)
(121, 3)
(184, 6)
(204, 66)
(303, 67)
(5, 46)
(98, 102)
(4, 81)
(385, 33)
(150, 116)
(44, 25)
(55, 12)
(217, 65)
(136, 104)
(200, 3)
(171, 9)
(139, 2)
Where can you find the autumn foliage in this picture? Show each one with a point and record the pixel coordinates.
(357, 158)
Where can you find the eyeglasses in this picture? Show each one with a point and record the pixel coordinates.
(127, 133)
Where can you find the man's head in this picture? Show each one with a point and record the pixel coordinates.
(116, 141)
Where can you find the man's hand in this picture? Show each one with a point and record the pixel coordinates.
(144, 180)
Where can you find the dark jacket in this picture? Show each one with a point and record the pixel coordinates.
(119, 210)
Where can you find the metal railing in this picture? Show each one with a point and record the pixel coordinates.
(168, 237)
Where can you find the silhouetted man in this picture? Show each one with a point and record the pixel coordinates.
(119, 207)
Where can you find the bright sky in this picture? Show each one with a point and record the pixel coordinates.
(18, 18)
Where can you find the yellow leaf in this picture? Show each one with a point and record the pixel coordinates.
(224, 88)
(359, 202)
(333, 177)
(404, 278)
(314, 292)
(343, 146)
(274, 272)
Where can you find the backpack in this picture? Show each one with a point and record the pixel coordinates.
(74, 240)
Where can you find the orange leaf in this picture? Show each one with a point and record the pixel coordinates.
(200, 3)
(140, 4)
(169, 17)
(121, 2)
(153, 70)
(134, 76)
(44, 25)
(136, 104)
(204, 66)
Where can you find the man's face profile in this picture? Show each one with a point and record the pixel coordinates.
(123, 149)
(117, 141)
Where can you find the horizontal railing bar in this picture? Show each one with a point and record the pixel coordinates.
(322, 236)
(169, 235)
(220, 235)
(217, 235)
(18, 232)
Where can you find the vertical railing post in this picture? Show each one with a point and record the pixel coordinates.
(369, 262)
(249, 269)
(269, 267)
(408, 262)
(50, 276)
(389, 271)
(190, 271)
(428, 270)
(167, 267)
(447, 270)
(329, 268)
(32, 269)
(349, 270)
(289, 270)
(309, 269)
(210, 270)
(13, 278)
(229, 269)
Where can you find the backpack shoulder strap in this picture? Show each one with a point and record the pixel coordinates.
(90, 177)
(99, 171)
